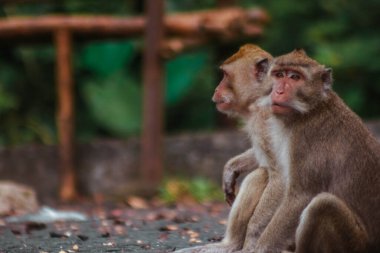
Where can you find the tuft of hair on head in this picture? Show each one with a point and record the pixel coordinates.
(247, 50)
(297, 57)
(300, 51)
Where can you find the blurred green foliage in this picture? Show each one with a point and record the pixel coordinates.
(343, 34)
(181, 190)
(111, 92)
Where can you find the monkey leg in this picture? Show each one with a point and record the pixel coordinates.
(267, 206)
(250, 194)
(327, 225)
(242, 209)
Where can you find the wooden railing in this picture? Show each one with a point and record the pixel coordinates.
(165, 36)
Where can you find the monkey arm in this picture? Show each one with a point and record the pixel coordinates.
(233, 168)
(280, 232)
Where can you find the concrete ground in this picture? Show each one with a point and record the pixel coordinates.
(118, 229)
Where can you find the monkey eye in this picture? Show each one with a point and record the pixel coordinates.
(295, 77)
(279, 74)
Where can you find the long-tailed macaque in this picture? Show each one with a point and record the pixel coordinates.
(262, 190)
(331, 162)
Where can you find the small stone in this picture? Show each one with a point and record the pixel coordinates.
(223, 222)
(17, 199)
(194, 240)
(169, 228)
(137, 203)
(108, 244)
(83, 237)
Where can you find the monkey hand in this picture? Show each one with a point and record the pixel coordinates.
(233, 168)
(229, 182)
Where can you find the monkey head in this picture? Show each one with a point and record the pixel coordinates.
(243, 74)
(297, 83)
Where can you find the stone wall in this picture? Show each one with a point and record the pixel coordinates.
(110, 167)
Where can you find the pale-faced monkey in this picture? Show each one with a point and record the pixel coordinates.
(262, 190)
(332, 163)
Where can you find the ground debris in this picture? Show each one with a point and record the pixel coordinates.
(119, 228)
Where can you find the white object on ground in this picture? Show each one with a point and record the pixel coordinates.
(47, 214)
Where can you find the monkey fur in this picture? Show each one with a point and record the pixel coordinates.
(331, 162)
(262, 190)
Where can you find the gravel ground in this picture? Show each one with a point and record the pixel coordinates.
(118, 229)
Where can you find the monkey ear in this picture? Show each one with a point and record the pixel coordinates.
(261, 69)
(327, 79)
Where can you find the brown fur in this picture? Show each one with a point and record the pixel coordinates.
(296, 57)
(243, 217)
(249, 52)
(261, 191)
(332, 200)
(239, 87)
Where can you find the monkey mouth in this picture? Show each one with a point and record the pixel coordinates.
(222, 105)
(220, 101)
(279, 104)
(281, 108)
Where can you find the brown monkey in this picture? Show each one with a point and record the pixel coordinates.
(261, 191)
(331, 162)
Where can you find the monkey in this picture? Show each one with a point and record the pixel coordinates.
(262, 189)
(330, 160)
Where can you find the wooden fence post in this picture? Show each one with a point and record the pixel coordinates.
(65, 114)
(153, 104)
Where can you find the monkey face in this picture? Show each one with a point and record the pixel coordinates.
(298, 84)
(286, 83)
(241, 86)
(224, 95)
(242, 82)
